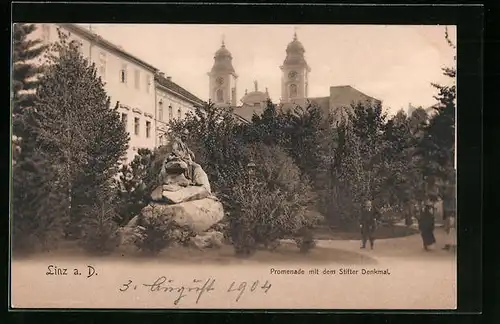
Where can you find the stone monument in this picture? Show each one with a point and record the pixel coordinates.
(184, 196)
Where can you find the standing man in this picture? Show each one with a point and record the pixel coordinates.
(426, 225)
(368, 224)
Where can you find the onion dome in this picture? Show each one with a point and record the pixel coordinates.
(223, 61)
(295, 52)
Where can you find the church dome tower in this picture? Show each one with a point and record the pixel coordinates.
(294, 73)
(222, 78)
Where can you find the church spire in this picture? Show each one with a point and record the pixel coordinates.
(295, 33)
(223, 44)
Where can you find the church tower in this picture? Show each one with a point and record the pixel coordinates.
(294, 74)
(222, 79)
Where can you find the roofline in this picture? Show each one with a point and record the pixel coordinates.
(158, 84)
(107, 44)
(350, 86)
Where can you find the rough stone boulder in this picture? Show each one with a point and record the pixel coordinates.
(184, 194)
(211, 239)
(199, 215)
(183, 199)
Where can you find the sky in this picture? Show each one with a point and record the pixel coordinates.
(395, 64)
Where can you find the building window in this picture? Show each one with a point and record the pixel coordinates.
(160, 110)
(220, 95)
(102, 65)
(148, 129)
(124, 120)
(136, 125)
(293, 90)
(179, 113)
(170, 112)
(148, 83)
(137, 79)
(123, 74)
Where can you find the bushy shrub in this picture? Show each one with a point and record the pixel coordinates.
(99, 231)
(136, 181)
(305, 241)
(223, 226)
(154, 232)
(270, 204)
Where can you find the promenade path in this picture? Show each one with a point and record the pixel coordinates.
(409, 247)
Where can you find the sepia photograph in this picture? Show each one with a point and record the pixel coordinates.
(164, 166)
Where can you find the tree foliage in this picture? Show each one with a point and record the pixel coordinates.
(270, 204)
(25, 70)
(136, 181)
(217, 140)
(79, 138)
(437, 147)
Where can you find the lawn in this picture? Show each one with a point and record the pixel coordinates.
(285, 253)
(353, 233)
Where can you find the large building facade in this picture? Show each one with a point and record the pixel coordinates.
(172, 102)
(294, 73)
(147, 99)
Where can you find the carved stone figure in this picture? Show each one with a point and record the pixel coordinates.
(184, 195)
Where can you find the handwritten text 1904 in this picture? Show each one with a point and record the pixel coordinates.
(197, 288)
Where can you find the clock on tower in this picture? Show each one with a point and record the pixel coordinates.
(292, 75)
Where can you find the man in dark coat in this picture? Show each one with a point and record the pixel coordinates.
(368, 224)
(426, 226)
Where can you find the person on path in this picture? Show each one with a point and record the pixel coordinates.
(368, 224)
(426, 226)
(451, 232)
(449, 211)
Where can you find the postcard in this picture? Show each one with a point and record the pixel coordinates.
(185, 166)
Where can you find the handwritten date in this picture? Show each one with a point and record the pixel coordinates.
(197, 287)
(241, 288)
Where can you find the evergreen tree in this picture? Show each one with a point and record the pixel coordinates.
(300, 131)
(437, 146)
(216, 139)
(24, 70)
(136, 182)
(307, 143)
(367, 122)
(400, 174)
(270, 127)
(72, 123)
(359, 164)
(37, 213)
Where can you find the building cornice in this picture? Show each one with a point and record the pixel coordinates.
(98, 40)
(175, 93)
